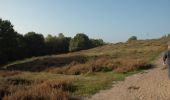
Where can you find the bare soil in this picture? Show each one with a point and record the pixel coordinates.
(150, 84)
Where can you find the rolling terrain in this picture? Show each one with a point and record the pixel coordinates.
(150, 84)
(79, 75)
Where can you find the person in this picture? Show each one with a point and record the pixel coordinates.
(166, 59)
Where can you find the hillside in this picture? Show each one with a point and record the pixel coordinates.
(151, 84)
(141, 50)
(78, 74)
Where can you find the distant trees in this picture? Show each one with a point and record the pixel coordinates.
(14, 46)
(8, 41)
(96, 42)
(79, 42)
(58, 44)
(34, 44)
(132, 38)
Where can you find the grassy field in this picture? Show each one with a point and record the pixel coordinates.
(79, 74)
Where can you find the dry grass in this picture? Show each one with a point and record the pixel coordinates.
(9, 73)
(47, 79)
(48, 90)
(103, 64)
(105, 58)
(43, 63)
(132, 65)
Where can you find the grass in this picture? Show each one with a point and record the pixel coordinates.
(30, 84)
(79, 74)
(93, 83)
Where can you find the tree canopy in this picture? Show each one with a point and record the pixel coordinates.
(79, 42)
(132, 38)
(14, 46)
(8, 41)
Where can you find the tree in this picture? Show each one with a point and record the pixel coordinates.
(61, 35)
(79, 42)
(14, 46)
(132, 38)
(8, 42)
(51, 44)
(96, 42)
(34, 44)
(21, 50)
(58, 44)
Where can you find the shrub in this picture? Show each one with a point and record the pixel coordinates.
(38, 94)
(132, 38)
(79, 42)
(49, 90)
(9, 73)
(132, 65)
(18, 81)
(64, 85)
(98, 64)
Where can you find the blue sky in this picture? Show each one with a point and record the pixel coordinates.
(111, 20)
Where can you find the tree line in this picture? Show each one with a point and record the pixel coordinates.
(15, 46)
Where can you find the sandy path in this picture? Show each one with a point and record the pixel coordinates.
(151, 84)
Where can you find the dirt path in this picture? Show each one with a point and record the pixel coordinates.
(151, 84)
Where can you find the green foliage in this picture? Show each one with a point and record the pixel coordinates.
(58, 44)
(34, 43)
(8, 41)
(132, 38)
(14, 46)
(61, 35)
(79, 42)
(96, 42)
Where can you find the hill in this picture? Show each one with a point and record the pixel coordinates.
(152, 84)
(77, 74)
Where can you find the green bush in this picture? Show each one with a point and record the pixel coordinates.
(79, 42)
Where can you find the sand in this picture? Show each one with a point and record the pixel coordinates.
(152, 84)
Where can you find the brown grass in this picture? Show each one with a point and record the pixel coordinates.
(9, 73)
(43, 63)
(119, 57)
(105, 58)
(132, 65)
(38, 94)
(48, 90)
(104, 64)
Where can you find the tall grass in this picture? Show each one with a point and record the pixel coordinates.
(48, 90)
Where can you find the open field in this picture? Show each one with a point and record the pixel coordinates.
(79, 74)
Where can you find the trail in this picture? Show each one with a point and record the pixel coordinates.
(151, 84)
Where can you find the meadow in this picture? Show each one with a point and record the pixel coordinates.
(77, 75)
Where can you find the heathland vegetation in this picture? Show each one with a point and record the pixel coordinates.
(73, 75)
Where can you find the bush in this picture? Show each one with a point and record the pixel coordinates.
(49, 90)
(9, 73)
(55, 45)
(103, 63)
(132, 65)
(79, 42)
(38, 94)
(133, 38)
(34, 44)
(8, 42)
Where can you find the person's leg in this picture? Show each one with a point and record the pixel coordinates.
(168, 71)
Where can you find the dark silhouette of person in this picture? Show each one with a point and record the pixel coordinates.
(166, 59)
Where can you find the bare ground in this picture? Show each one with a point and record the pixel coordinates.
(151, 84)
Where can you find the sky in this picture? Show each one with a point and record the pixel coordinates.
(110, 20)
